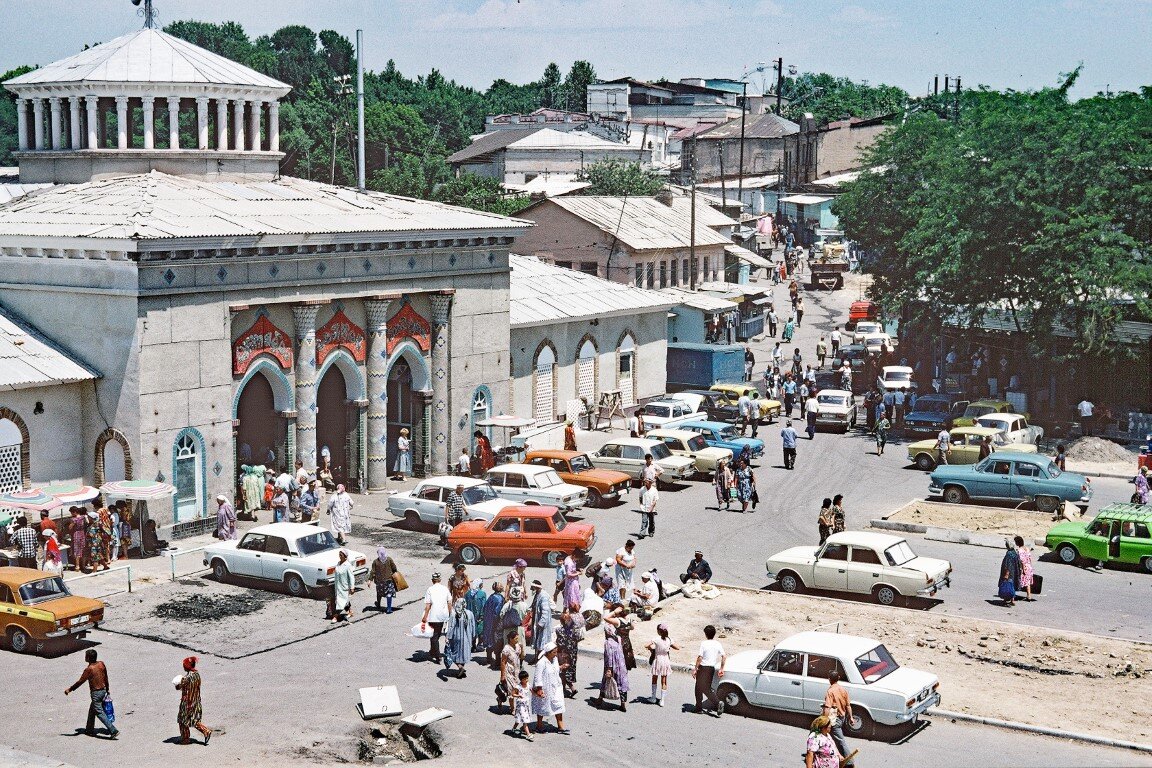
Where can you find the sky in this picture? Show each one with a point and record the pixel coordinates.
(1021, 44)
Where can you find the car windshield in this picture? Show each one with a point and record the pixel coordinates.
(321, 541)
(696, 443)
(876, 664)
(580, 463)
(547, 479)
(656, 410)
(832, 399)
(900, 553)
(479, 493)
(659, 451)
(728, 433)
(932, 406)
(897, 376)
(976, 411)
(992, 423)
(35, 592)
(559, 521)
(866, 328)
(999, 439)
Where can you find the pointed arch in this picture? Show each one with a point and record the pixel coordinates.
(421, 376)
(189, 475)
(626, 359)
(544, 361)
(587, 368)
(25, 446)
(282, 390)
(353, 375)
(111, 435)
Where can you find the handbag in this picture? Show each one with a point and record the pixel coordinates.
(109, 710)
(501, 692)
(399, 581)
(732, 494)
(593, 569)
(1037, 583)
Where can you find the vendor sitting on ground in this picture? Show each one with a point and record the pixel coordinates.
(698, 569)
(643, 599)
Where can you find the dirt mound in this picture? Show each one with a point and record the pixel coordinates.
(1098, 450)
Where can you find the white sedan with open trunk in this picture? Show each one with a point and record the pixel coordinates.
(863, 562)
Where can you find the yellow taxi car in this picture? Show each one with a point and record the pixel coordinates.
(36, 608)
(965, 447)
(769, 409)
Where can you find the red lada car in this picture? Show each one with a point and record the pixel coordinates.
(530, 532)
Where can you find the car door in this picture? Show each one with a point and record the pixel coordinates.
(1028, 480)
(537, 537)
(994, 480)
(245, 559)
(1094, 544)
(816, 681)
(1135, 542)
(963, 450)
(831, 568)
(429, 504)
(502, 541)
(674, 444)
(274, 562)
(631, 459)
(780, 684)
(608, 457)
(864, 570)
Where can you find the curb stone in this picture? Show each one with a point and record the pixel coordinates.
(953, 535)
(1042, 730)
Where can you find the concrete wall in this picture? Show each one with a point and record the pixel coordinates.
(520, 163)
(56, 452)
(843, 149)
(761, 156)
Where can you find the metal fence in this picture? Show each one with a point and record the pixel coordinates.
(102, 575)
(199, 563)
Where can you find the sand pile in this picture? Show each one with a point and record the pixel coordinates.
(1098, 450)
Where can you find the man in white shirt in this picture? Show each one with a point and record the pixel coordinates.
(284, 481)
(437, 609)
(943, 446)
(625, 568)
(644, 597)
(651, 470)
(744, 407)
(1087, 416)
(648, 498)
(835, 339)
(301, 475)
(709, 666)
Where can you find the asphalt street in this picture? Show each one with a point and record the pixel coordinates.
(293, 703)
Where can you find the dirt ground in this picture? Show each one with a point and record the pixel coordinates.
(1044, 677)
(1095, 456)
(999, 520)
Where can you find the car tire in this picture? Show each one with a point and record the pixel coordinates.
(594, 498)
(861, 726)
(295, 585)
(470, 554)
(1069, 555)
(789, 582)
(220, 571)
(412, 519)
(925, 462)
(885, 595)
(1147, 563)
(553, 559)
(733, 698)
(954, 494)
(1047, 504)
(19, 640)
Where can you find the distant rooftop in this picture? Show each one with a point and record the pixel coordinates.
(543, 293)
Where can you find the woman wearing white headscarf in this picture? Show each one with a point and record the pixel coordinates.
(342, 587)
(548, 691)
(459, 634)
(340, 508)
(225, 519)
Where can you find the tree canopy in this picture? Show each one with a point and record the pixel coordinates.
(830, 98)
(1024, 202)
(619, 177)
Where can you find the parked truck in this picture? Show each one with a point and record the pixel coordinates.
(829, 260)
(699, 366)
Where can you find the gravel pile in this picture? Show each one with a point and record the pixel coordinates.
(1098, 450)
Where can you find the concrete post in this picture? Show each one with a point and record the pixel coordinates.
(147, 106)
(173, 122)
(56, 123)
(438, 448)
(377, 365)
(222, 124)
(273, 126)
(238, 125)
(76, 141)
(22, 123)
(202, 122)
(304, 318)
(92, 103)
(38, 122)
(254, 127)
(122, 122)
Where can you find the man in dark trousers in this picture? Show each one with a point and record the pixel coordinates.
(788, 438)
(96, 675)
(709, 666)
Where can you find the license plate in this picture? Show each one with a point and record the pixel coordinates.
(80, 619)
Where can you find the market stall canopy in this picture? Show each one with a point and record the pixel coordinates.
(505, 421)
(34, 499)
(71, 493)
(735, 291)
(747, 256)
(137, 490)
(805, 199)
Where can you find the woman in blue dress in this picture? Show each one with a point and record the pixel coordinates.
(745, 484)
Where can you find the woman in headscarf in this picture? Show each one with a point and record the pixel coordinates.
(52, 552)
(458, 635)
(821, 751)
(475, 598)
(513, 613)
(1009, 574)
(614, 683)
(342, 586)
(225, 519)
(517, 577)
(568, 637)
(661, 648)
(383, 575)
(340, 508)
(484, 451)
(493, 643)
(191, 712)
(94, 540)
(252, 484)
(1141, 483)
(723, 483)
(825, 522)
(570, 588)
(789, 329)
(78, 527)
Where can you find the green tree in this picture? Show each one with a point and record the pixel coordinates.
(8, 132)
(228, 39)
(830, 98)
(618, 177)
(481, 193)
(1026, 202)
(576, 83)
(550, 86)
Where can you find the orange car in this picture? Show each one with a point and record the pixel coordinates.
(36, 608)
(531, 532)
(861, 310)
(576, 468)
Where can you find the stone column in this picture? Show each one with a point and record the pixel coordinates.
(377, 365)
(304, 318)
(238, 124)
(273, 126)
(38, 122)
(202, 122)
(56, 122)
(254, 128)
(423, 450)
(122, 122)
(441, 421)
(22, 123)
(222, 124)
(92, 103)
(74, 122)
(173, 122)
(147, 104)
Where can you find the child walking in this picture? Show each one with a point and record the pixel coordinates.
(521, 707)
(661, 663)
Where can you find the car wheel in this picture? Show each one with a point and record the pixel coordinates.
(861, 726)
(594, 498)
(470, 554)
(733, 698)
(1068, 555)
(1047, 504)
(1147, 563)
(790, 582)
(295, 585)
(885, 595)
(553, 559)
(19, 640)
(925, 462)
(954, 494)
(219, 570)
(412, 519)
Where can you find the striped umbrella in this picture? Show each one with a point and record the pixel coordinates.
(140, 490)
(34, 499)
(71, 493)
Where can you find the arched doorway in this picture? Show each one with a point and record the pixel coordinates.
(481, 410)
(262, 432)
(332, 425)
(626, 370)
(11, 456)
(188, 476)
(403, 410)
(543, 383)
(586, 371)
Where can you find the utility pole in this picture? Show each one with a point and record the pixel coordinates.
(740, 172)
(692, 217)
(779, 82)
(360, 109)
(723, 183)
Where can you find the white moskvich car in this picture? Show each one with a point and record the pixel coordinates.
(532, 484)
(863, 562)
(793, 677)
(426, 502)
(300, 556)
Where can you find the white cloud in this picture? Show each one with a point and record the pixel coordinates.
(589, 15)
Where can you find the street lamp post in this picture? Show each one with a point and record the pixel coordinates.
(740, 170)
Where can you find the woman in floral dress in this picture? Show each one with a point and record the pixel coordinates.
(1025, 567)
(106, 533)
(510, 668)
(94, 540)
(614, 683)
(568, 637)
(661, 663)
(191, 711)
(821, 750)
(79, 530)
(745, 484)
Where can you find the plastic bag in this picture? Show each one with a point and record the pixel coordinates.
(416, 631)
(109, 710)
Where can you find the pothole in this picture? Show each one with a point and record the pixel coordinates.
(390, 743)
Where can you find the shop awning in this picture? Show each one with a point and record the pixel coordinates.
(805, 199)
(747, 256)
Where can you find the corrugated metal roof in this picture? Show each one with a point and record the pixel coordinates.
(805, 199)
(28, 359)
(13, 191)
(744, 254)
(157, 205)
(703, 301)
(705, 213)
(147, 56)
(762, 126)
(550, 185)
(490, 142)
(641, 223)
(535, 138)
(543, 293)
